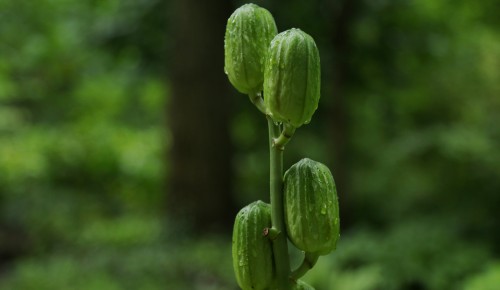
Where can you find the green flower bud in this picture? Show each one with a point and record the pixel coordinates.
(311, 207)
(252, 251)
(292, 78)
(249, 31)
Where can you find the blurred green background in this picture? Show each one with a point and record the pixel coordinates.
(125, 154)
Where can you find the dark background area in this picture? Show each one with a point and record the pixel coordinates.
(125, 153)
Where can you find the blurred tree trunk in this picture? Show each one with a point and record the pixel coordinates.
(199, 188)
(344, 13)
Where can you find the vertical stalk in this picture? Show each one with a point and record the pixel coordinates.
(280, 247)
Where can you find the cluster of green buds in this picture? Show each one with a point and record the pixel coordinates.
(281, 75)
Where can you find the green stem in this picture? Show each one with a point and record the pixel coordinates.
(284, 138)
(309, 261)
(280, 247)
(258, 102)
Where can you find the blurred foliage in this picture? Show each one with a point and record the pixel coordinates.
(81, 145)
(132, 252)
(487, 280)
(416, 254)
(82, 142)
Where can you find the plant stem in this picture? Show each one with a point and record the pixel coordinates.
(280, 247)
(256, 99)
(284, 137)
(309, 261)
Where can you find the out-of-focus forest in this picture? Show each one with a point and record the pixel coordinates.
(125, 153)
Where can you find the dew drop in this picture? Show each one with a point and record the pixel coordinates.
(323, 209)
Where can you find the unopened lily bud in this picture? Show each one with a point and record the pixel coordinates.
(292, 78)
(252, 251)
(249, 32)
(311, 207)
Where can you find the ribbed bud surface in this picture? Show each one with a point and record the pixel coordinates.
(311, 207)
(249, 31)
(252, 251)
(292, 78)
